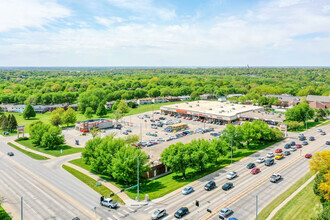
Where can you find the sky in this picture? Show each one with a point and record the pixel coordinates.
(164, 32)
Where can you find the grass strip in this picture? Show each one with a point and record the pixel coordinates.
(305, 205)
(4, 215)
(265, 212)
(30, 154)
(66, 150)
(104, 191)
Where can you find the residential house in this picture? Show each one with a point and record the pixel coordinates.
(109, 105)
(159, 100)
(144, 101)
(286, 99)
(207, 97)
(316, 101)
(184, 98)
(16, 108)
(222, 98)
(172, 99)
(234, 95)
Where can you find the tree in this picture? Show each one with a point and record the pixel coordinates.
(177, 157)
(94, 132)
(118, 114)
(320, 162)
(52, 138)
(154, 92)
(89, 112)
(56, 118)
(29, 112)
(37, 130)
(132, 138)
(299, 113)
(122, 107)
(194, 95)
(294, 125)
(101, 110)
(12, 123)
(202, 154)
(69, 117)
(4, 123)
(324, 215)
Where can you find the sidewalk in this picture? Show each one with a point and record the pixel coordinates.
(272, 214)
(30, 150)
(112, 187)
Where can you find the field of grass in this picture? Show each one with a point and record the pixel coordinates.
(326, 123)
(80, 117)
(310, 124)
(3, 214)
(30, 154)
(278, 200)
(305, 205)
(56, 153)
(166, 184)
(104, 191)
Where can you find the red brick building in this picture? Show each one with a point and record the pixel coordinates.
(316, 101)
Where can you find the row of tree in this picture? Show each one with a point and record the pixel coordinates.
(8, 123)
(114, 158)
(45, 135)
(61, 116)
(200, 154)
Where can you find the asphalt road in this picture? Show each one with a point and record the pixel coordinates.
(241, 198)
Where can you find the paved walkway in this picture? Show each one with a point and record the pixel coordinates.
(112, 187)
(272, 214)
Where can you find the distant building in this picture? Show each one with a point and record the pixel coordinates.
(16, 108)
(222, 98)
(234, 95)
(172, 99)
(144, 101)
(316, 101)
(159, 100)
(86, 126)
(184, 98)
(286, 99)
(207, 97)
(109, 105)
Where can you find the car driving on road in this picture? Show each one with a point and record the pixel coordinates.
(159, 213)
(181, 212)
(210, 185)
(305, 143)
(227, 186)
(275, 177)
(287, 153)
(270, 154)
(225, 212)
(279, 156)
(10, 154)
(187, 190)
(293, 148)
(308, 156)
(311, 138)
(279, 150)
(269, 162)
(250, 165)
(255, 170)
(231, 175)
(108, 202)
(260, 160)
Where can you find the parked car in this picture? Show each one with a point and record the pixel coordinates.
(227, 186)
(269, 162)
(125, 132)
(293, 143)
(279, 150)
(319, 130)
(308, 156)
(279, 156)
(146, 116)
(187, 190)
(323, 133)
(250, 165)
(305, 143)
(129, 130)
(154, 126)
(231, 175)
(287, 153)
(293, 148)
(181, 212)
(215, 134)
(187, 132)
(275, 177)
(260, 160)
(327, 143)
(159, 213)
(270, 154)
(287, 146)
(160, 139)
(302, 138)
(210, 185)
(161, 118)
(225, 212)
(140, 117)
(108, 202)
(10, 154)
(255, 170)
(298, 146)
(311, 138)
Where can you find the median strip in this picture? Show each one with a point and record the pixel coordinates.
(28, 153)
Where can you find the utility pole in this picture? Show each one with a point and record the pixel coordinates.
(22, 208)
(256, 207)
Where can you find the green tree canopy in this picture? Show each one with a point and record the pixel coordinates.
(101, 110)
(29, 112)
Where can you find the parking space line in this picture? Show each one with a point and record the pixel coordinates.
(116, 217)
(130, 209)
(126, 211)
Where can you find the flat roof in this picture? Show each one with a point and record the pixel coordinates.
(211, 109)
(95, 120)
(268, 116)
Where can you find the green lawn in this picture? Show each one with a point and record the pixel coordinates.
(104, 191)
(278, 200)
(3, 214)
(310, 124)
(30, 154)
(305, 205)
(166, 184)
(57, 153)
(326, 123)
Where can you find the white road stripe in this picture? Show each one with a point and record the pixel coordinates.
(109, 218)
(130, 209)
(126, 211)
(151, 211)
(120, 214)
(148, 208)
(116, 217)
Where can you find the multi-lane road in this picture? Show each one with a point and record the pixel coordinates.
(50, 192)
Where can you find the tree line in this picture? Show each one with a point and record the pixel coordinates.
(8, 123)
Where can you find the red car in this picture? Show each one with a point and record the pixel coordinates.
(171, 115)
(255, 170)
(157, 119)
(298, 146)
(184, 117)
(278, 150)
(308, 156)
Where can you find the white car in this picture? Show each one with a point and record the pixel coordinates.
(293, 148)
(154, 126)
(141, 117)
(108, 202)
(260, 160)
(231, 175)
(270, 154)
(158, 214)
(161, 140)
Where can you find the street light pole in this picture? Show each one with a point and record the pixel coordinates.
(306, 117)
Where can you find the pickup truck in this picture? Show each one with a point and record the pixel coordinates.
(275, 177)
(108, 202)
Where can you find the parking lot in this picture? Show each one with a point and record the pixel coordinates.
(154, 138)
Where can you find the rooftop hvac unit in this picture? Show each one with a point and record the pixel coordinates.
(197, 104)
(221, 106)
(210, 108)
(190, 106)
(244, 106)
(232, 104)
(233, 108)
(176, 106)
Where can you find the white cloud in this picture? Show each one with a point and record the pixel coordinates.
(108, 22)
(145, 8)
(22, 14)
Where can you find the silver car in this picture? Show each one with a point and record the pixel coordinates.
(293, 148)
(270, 154)
(159, 213)
(260, 160)
(187, 190)
(231, 175)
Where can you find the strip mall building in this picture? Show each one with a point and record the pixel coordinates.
(223, 112)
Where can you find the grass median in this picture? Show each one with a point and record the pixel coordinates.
(305, 205)
(3, 214)
(160, 187)
(30, 154)
(56, 153)
(265, 212)
(104, 191)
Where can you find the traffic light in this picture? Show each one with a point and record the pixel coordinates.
(112, 194)
(209, 210)
(197, 203)
(122, 190)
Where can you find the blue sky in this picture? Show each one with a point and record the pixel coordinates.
(164, 33)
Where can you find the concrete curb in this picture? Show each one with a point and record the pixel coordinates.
(272, 214)
(30, 150)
